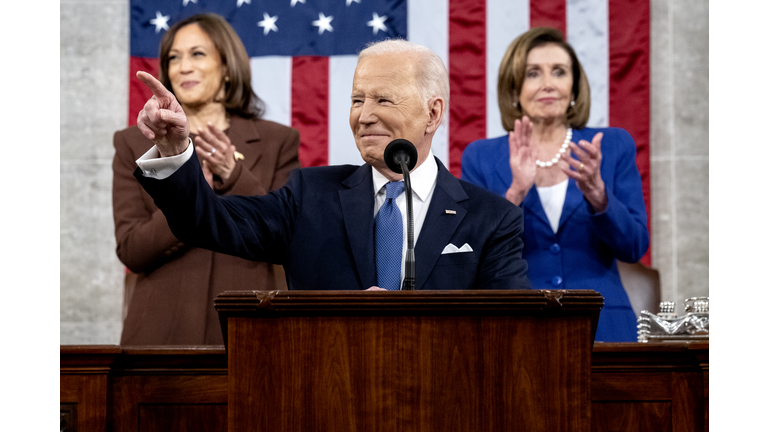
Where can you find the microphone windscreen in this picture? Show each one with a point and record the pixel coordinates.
(397, 149)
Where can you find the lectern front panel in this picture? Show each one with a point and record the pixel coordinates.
(420, 372)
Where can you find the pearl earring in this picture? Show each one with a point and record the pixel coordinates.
(573, 103)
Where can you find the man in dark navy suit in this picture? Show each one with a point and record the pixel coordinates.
(324, 225)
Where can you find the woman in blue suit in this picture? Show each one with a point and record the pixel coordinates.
(579, 187)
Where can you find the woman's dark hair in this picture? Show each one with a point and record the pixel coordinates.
(239, 98)
(512, 74)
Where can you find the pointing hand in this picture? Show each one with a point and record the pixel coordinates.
(162, 120)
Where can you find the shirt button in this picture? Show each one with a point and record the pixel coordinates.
(554, 249)
(557, 281)
(152, 171)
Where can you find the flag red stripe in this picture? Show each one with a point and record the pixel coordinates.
(309, 108)
(138, 92)
(466, 60)
(549, 13)
(629, 71)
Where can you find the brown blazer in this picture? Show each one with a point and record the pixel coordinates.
(172, 303)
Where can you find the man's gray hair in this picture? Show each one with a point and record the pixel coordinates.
(432, 78)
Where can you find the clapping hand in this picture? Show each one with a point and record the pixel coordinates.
(216, 151)
(586, 171)
(521, 161)
(162, 120)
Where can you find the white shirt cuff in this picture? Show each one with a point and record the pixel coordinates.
(154, 166)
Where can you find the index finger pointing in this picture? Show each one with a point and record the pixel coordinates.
(156, 86)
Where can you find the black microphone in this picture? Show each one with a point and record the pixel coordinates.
(400, 157)
(400, 150)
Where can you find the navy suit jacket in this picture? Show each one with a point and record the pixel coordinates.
(320, 227)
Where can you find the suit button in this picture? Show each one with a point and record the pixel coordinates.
(557, 281)
(554, 249)
(168, 253)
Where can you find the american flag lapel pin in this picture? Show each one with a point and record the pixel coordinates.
(450, 212)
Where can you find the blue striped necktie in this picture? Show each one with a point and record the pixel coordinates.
(389, 239)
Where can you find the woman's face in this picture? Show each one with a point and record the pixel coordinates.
(194, 67)
(546, 90)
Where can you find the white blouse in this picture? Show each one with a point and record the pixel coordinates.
(552, 199)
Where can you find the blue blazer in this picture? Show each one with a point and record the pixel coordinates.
(583, 252)
(319, 226)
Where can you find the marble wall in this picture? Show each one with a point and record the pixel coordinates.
(680, 147)
(94, 104)
(93, 88)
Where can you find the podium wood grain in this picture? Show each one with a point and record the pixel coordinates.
(438, 361)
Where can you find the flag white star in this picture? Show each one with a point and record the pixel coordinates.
(349, 2)
(293, 2)
(377, 23)
(268, 23)
(323, 23)
(186, 2)
(240, 2)
(160, 21)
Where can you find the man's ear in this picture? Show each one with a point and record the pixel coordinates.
(436, 106)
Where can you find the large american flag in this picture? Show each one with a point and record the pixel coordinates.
(303, 55)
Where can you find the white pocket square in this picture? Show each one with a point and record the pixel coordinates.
(451, 248)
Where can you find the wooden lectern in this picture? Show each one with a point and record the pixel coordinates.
(516, 360)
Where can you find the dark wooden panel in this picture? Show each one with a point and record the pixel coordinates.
(175, 359)
(627, 377)
(661, 356)
(266, 304)
(89, 392)
(68, 419)
(389, 303)
(183, 418)
(632, 417)
(108, 384)
(706, 400)
(631, 386)
(83, 380)
(408, 373)
(131, 392)
(688, 401)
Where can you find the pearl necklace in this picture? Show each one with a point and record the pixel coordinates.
(563, 149)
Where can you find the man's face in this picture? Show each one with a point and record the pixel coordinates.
(386, 105)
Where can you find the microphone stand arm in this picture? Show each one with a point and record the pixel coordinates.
(409, 281)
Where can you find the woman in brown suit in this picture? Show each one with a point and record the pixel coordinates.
(204, 63)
